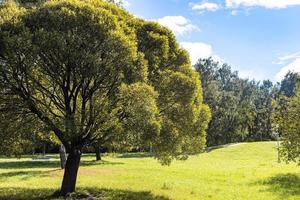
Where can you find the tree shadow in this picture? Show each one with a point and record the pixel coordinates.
(213, 148)
(25, 175)
(283, 185)
(29, 164)
(14, 193)
(135, 155)
(48, 164)
(82, 194)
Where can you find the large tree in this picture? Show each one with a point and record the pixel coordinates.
(89, 71)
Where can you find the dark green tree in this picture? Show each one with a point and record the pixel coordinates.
(289, 83)
(262, 127)
(229, 98)
(241, 108)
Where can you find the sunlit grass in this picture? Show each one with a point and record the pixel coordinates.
(241, 172)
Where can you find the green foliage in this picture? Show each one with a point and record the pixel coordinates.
(91, 72)
(185, 118)
(286, 121)
(262, 128)
(285, 117)
(20, 131)
(69, 57)
(142, 122)
(241, 109)
(15, 135)
(289, 83)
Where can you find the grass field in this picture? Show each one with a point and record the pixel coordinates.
(242, 172)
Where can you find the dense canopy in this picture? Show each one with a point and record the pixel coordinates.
(88, 70)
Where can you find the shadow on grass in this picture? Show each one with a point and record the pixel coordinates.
(25, 175)
(284, 185)
(213, 148)
(48, 164)
(135, 155)
(82, 194)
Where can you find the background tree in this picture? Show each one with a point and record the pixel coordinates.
(17, 128)
(87, 69)
(262, 129)
(22, 132)
(223, 92)
(241, 108)
(285, 116)
(289, 83)
(16, 136)
(284, 90)
(287, 123)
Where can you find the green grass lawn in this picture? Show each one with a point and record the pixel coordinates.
(246, 172)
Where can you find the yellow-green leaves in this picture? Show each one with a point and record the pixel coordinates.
(10, 12)
(96, 73)
(142, 122)
(185, 118)
(286, 121)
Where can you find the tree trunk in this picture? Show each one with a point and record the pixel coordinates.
(151, 149)
(71, 170)
(63, 156)
(98, 153)
(44, 150)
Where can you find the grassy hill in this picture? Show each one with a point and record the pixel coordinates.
(239, 172)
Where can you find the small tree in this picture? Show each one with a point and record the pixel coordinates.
(89, 70)
(286, 122)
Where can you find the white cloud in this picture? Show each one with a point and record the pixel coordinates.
(293, 67)
(242, 6)
(271, 4)
(284, 59)
(178, 24)
(205, 6)
(198, 50)
(290, 62)
(234, 12)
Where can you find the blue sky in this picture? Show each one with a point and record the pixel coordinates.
(259, 38)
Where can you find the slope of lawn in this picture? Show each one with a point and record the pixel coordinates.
(239, 172)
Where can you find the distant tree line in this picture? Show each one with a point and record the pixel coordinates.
(242, 109)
